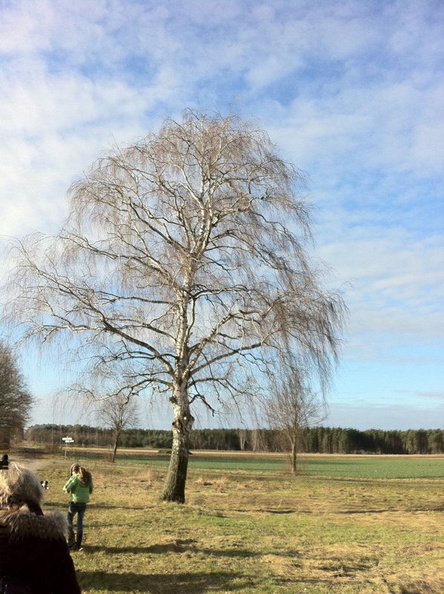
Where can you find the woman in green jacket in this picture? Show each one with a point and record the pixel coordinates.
(80, 487)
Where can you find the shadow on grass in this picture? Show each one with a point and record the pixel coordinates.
(131, 507)
(181, 583)
(184, 583)
(179, 547)
(93, 504)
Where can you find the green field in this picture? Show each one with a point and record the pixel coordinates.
(386, 467)
(348, 525)
(365, 467)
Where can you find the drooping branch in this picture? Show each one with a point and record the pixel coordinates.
(185, 263)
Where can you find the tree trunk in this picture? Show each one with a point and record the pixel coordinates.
(174, 488)
(113, 455)
(294, 457)
(116, 444)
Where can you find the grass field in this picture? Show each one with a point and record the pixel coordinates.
(362, 466)
(347, 525)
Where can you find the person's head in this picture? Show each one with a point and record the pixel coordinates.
(18, 487)
(83, 474)
(75, 469)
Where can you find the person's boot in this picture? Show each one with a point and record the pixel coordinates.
(71, 538)
(78, 545)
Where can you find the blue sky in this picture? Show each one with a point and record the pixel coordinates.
(351, 91)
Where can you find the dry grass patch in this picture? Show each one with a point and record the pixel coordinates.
(245, 533)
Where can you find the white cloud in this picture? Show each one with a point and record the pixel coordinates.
(24, 28)
(366, 415)
(393, 283)
(54, 127)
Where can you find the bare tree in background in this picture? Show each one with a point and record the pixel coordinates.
(15, 398)
(182, 263)
(293, 405)
(118, 412)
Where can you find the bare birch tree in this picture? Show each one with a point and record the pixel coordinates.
(183, 260)
(293, 405)
(118, 412)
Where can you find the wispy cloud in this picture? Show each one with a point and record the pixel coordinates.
(386, 417)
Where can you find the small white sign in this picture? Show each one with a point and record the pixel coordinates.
(68, 439)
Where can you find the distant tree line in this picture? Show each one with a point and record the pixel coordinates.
(322, 440)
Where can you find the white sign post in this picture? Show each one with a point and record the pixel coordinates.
(67, 440)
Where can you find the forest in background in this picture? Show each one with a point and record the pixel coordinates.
(312, 440)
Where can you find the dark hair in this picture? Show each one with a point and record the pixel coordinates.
(85, 476)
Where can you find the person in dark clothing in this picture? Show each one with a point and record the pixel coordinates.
(4, 462)
(34, 555)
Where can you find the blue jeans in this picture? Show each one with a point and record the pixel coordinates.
(79, 509)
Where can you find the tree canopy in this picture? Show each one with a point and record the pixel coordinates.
(15, 398)
(184, 268)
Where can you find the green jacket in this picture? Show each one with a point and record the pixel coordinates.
(79, 491)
